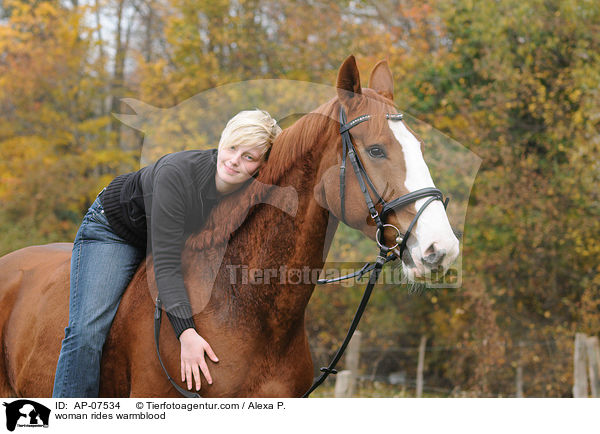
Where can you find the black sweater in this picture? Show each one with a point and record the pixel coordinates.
(159, 206)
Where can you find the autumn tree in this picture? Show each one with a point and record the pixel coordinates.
(56, 150)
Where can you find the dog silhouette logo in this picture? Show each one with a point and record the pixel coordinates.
(26, 413)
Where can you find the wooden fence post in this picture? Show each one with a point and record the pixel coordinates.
(353, 360)
(580, 379)
(420, 366)
(593, 356)
(345, 383)
(520, 372)
(343, 380)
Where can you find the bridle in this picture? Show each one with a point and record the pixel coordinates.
(384, 256)
(349, 150)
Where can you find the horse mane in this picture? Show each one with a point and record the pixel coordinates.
(290, 147)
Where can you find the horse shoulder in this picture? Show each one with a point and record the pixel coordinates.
(129, 363)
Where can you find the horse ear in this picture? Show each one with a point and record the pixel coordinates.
(381, 80)
(348, 81)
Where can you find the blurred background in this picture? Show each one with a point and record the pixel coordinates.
(516, 82)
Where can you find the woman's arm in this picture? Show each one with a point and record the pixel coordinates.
(167, 220)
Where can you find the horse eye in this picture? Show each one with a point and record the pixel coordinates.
(376, 151)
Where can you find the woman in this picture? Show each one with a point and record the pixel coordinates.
(157, 207)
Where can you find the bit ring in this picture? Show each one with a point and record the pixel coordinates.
(397, 238)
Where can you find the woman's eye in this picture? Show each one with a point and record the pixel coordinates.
(376, 151)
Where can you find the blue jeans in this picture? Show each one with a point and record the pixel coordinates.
(102, 265)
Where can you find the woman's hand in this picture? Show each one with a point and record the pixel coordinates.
(193, 347)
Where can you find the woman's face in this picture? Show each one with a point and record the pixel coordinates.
(235, 164)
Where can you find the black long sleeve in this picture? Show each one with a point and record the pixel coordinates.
(158, 207)
(167, 223)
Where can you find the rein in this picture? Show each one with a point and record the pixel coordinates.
(384, 256)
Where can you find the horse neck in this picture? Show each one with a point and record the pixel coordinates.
(290, 249)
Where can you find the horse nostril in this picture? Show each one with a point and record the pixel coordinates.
(430, 250)
(434, 257)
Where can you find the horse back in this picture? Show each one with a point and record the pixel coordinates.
(34, 300)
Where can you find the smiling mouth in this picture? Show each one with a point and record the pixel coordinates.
(230, 170)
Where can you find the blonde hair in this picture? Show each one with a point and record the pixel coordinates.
(250, 129)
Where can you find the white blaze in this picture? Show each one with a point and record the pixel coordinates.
(432, 226)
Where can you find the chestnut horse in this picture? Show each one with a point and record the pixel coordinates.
(256, 328)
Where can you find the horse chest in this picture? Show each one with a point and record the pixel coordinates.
(261, 366)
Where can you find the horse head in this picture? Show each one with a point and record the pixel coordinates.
(392, 157)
